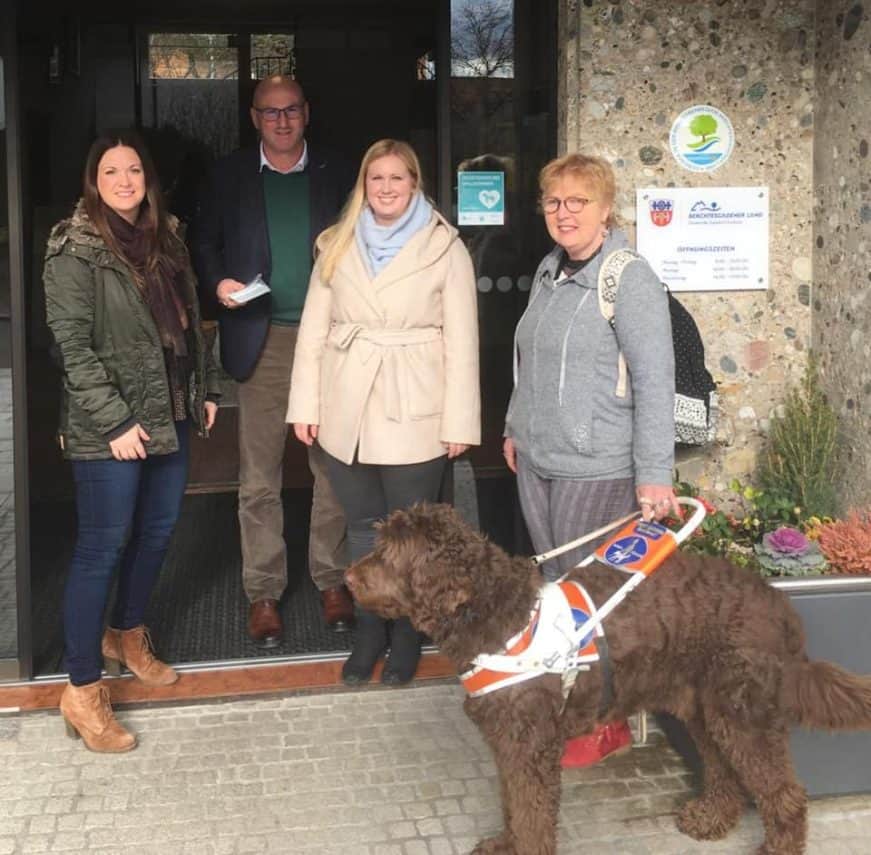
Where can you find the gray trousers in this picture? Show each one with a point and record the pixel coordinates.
(369, 492)
(557, 510)
(262, 440)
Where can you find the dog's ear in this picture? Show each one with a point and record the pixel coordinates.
(406, 535)
(400, 540)
(429, 543)
(439, 593)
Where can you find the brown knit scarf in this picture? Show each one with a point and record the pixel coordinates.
(160, 285)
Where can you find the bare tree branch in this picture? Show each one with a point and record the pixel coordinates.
(482, 43)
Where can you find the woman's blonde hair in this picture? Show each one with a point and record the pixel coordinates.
(594, 171)
(337, 238)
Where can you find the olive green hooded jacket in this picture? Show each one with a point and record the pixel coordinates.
(114, 373)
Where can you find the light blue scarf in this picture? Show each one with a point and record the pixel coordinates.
(379, 245)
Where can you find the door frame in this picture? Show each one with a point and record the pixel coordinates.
(22, 666)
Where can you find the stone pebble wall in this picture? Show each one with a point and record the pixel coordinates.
(842, 233)
(628, 68)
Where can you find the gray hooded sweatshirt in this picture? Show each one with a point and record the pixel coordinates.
(565, 416)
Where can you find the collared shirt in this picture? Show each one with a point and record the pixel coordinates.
(299, 166)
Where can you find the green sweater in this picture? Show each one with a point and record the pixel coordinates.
(288, 222)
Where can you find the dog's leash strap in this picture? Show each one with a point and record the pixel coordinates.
(559, 550)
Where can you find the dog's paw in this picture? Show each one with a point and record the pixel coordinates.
(500, 845)
(708, 818)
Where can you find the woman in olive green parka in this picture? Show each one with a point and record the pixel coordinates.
(122, 307)
(109, 344)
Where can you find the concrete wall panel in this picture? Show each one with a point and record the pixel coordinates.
(627, 70)
(842, 231)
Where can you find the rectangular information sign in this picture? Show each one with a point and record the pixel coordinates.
(705, 238)
(481, 198)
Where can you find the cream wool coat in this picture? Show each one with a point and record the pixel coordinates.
(388, 367)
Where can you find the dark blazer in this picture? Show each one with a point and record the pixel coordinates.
(230, 240)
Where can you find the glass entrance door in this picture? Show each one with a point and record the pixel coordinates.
(185, 73)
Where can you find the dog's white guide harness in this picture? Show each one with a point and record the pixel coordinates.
(564, 623)
(551, 643)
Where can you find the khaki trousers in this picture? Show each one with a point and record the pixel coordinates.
(262, 439)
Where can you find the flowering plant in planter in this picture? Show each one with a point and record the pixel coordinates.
(793, 494)
(847, 543)
(768, 533)
(786, 551)
(734, 534)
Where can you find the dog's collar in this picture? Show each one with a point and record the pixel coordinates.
(553, 642)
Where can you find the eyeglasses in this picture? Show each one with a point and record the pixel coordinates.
(574, 204)
(271, 114)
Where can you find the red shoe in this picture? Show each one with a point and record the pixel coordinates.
(604, 741)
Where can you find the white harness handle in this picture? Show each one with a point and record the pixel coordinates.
(637, 576)
(559, 550)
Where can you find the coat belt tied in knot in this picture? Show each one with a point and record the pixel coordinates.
(367, 341)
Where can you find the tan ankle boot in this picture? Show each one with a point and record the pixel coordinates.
(132, 647)
(88, 714)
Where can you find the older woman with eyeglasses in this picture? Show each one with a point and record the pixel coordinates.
(584, 451)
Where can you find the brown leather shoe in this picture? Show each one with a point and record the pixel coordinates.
(133, 648)
(338, 608)
(264, 623)
(88, 714)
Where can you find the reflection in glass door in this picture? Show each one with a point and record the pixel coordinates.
(502, 119)
(196, 88)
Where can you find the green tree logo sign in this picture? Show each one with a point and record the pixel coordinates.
(701, 138)
(705, 126)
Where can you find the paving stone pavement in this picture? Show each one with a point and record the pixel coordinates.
(375, 772)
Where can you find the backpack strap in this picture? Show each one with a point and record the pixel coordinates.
(609, 281)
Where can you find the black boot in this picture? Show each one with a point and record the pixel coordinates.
(404, 655)
(369, 643)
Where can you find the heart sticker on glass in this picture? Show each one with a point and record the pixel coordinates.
(489, 198)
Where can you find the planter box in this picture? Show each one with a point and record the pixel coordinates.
(836, 612)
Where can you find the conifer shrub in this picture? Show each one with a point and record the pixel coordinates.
(800, 456)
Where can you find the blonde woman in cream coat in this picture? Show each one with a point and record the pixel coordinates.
(385, 373)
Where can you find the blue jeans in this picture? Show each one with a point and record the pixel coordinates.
(126, 510)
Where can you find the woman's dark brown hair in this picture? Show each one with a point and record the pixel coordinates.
(152, 216)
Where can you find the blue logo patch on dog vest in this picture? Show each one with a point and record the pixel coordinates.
(625, 550)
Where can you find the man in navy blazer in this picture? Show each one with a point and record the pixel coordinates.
(260, 214)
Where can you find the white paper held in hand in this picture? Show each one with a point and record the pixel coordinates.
(257, 287)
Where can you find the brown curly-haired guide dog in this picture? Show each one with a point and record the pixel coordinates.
(706, 641)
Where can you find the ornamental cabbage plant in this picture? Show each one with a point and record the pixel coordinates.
(787, 552)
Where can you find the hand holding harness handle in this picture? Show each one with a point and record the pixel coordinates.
(639, 549)
(565, 623)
